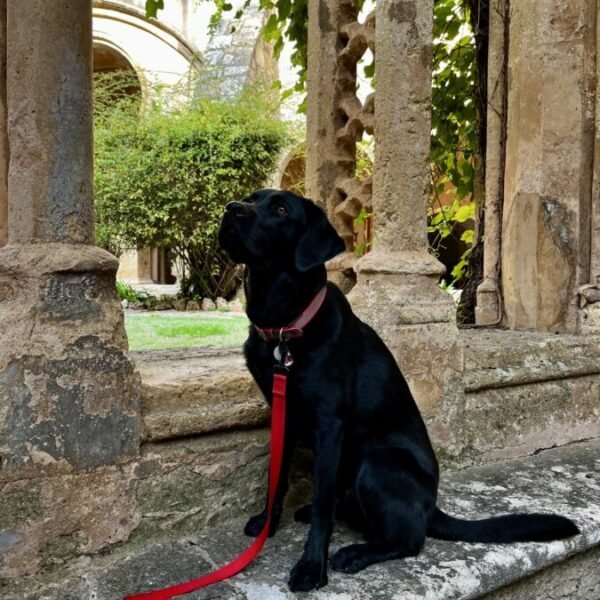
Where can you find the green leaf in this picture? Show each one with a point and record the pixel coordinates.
(465, 212)
(152, 7)
(468, 236)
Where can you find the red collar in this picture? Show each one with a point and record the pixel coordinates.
(295, 328)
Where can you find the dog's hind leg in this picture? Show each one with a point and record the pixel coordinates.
(396, 499)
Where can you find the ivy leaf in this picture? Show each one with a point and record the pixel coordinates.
(152, 8)
(465, 212)
(468, 236)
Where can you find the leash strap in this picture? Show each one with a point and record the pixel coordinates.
(244, 559)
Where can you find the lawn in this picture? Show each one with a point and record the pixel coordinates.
(157, 331)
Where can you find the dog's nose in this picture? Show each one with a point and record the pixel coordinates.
(237, 208)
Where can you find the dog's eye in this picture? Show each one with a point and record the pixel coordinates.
(281, 210)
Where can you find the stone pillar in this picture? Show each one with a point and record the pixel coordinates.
(69, 396)
(549, 157)
(3, 130)
(489, 309)
(397, 290)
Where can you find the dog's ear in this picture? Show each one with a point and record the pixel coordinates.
(320, 242)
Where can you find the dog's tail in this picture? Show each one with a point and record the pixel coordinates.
(518, 527)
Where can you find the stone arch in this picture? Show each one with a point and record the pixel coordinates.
(107, 58)
(159, 54)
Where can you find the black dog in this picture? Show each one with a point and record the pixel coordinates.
(374, 463)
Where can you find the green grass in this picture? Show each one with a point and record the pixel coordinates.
(156, 331)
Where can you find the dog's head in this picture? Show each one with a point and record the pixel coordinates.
(277, 229)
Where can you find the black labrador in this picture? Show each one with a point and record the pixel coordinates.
(373, 460)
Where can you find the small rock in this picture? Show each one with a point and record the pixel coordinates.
(208, 304)
(236, 305)
(222, 305)
(125, 303)
(179, 303)
(163, 306)
(192, 305)
(137, 306)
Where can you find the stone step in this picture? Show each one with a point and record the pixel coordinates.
(195, 391)
(525, 392)
(564, 480)
(502, 358)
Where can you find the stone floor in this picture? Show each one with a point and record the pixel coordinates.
(565, 480)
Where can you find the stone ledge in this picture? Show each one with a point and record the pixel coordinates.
(196, 391)
(566, 480)
(500, 358)
(526, 392)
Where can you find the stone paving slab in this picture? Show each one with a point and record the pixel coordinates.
(565, 480)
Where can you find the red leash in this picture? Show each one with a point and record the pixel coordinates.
(244, 559)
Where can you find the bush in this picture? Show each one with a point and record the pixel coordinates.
(163, 179)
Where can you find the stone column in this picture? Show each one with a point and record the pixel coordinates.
(589, 294)
(549, 157)
(397, 290)
(489, 309)
(69, 396)
(3, 130)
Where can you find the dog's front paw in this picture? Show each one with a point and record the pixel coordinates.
(308, 575)
(256, 523)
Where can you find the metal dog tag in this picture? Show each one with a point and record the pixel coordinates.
(287, 361)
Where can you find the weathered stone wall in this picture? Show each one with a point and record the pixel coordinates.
(577, 577)
(235, 53)
(527, 392)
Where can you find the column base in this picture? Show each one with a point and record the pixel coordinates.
(69, 395)
(399, 296)
(588, 310)
(488, 310)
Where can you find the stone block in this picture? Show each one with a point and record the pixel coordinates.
(46, 521)
(188, 392)
(188, 484)
(526, 392)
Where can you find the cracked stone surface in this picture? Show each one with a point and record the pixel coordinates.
(565, 480)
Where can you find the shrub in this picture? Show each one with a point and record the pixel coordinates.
(163, 179)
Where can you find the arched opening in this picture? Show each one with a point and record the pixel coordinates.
(115, 79)
(113, 69)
